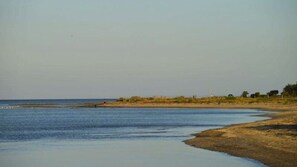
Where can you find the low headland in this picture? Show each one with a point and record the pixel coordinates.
(272, 142)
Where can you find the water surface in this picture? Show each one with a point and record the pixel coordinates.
(113, 137)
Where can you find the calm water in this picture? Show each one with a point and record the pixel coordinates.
(111, 137)
(4, 103)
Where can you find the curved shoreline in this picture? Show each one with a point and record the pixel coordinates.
(273, 142)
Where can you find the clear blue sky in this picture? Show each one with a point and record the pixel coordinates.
(114, 48)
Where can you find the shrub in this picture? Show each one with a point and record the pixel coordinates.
(272, 93)
(244, 94)
(290, 90)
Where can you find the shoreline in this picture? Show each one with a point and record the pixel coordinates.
(272, 142)
(260, 106)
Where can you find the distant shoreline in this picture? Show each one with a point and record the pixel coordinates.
(262, 106)
(181, 102)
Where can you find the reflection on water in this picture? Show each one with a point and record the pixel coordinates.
(117, 153)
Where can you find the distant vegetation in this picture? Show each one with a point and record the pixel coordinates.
(288, 96)
(290, 90)
(244, 94)
(209, 100)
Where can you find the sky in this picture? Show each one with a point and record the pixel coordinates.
(120, 48)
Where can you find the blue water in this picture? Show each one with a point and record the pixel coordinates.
(52, 101)
(26, 134)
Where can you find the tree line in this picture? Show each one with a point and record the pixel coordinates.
(289, 90)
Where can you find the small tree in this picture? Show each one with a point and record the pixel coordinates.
(290, 90)
(272, 93)
(244, 94)
(257, 94)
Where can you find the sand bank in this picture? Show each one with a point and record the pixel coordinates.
(273, 142)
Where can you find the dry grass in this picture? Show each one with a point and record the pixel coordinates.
(209, 100)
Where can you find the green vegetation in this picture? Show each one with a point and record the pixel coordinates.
(244, 94)
(257, 94)
(209, 100)
(273, 93)
(289, 96)
(290, 90)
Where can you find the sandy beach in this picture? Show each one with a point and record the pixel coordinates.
(262, 106)
(273, 142)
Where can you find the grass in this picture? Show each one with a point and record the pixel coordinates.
(209, 100)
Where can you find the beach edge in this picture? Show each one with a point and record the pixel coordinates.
(271, 142)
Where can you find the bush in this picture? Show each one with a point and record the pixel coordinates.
(244, 94)
(257, 94)
(135, 99)
(273, 93)
(290, 90)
